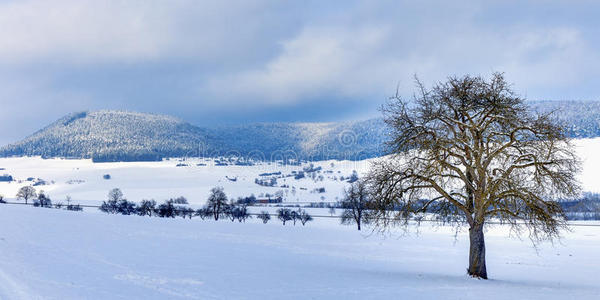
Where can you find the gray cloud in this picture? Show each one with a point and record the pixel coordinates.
(236, 61)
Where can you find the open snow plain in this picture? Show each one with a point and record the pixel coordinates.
(57, 254)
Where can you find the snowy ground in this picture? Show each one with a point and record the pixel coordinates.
(83, 180)
(56, 254)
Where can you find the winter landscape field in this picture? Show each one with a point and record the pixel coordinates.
(57, 254)
(257, 149)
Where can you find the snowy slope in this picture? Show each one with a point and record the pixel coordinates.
(54, 254)
(131, 136)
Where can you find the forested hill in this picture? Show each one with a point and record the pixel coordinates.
(130, 136)
(582, 118)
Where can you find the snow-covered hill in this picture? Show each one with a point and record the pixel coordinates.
(581, 118)
(57, 254)
(130, 136)
(111, 135)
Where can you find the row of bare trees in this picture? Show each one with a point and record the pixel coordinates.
(217, 207)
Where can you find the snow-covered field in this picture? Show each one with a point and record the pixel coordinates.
(83, 180)
(57, 254)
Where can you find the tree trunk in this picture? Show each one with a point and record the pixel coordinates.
(477, 252)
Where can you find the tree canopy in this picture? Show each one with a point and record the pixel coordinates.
(469, 149)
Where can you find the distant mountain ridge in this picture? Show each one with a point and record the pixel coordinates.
(131, 136)
(581, 118)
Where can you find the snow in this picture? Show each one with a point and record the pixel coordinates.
(82, 179)
(163, 180)
(57, 254)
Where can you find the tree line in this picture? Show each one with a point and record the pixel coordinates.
(217, 207)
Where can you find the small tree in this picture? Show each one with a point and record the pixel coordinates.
(180, 200)
(125, 207)
(26, 193)
(231, 210)
(264, 216)
(109, 207)
(146, 208)
(2, 199)
(42, 200)
(305, 217)
(241, 213)
(115, 195)
(295, 215)
(217, 202)
(284, 214)
(112, 205)
(185, 212)
(356, 199)
(203, 213)
(166, 209)
(476, 152)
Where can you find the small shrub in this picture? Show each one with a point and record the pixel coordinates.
(109, 207)
(74, 207)
(264, 216)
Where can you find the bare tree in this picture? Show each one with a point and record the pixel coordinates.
(180, 200)
(284, 214)
(167, 209)
(295, 215)
(42, 200)
(355, 203)
(231, 210)
(304, 217)
(217, 202)
(184, 212)
(472, 147)
(203, 213)
(26, 193)
(146, 208)
(115, 195)
(264, 216)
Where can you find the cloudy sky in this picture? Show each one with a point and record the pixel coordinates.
(220, 62)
